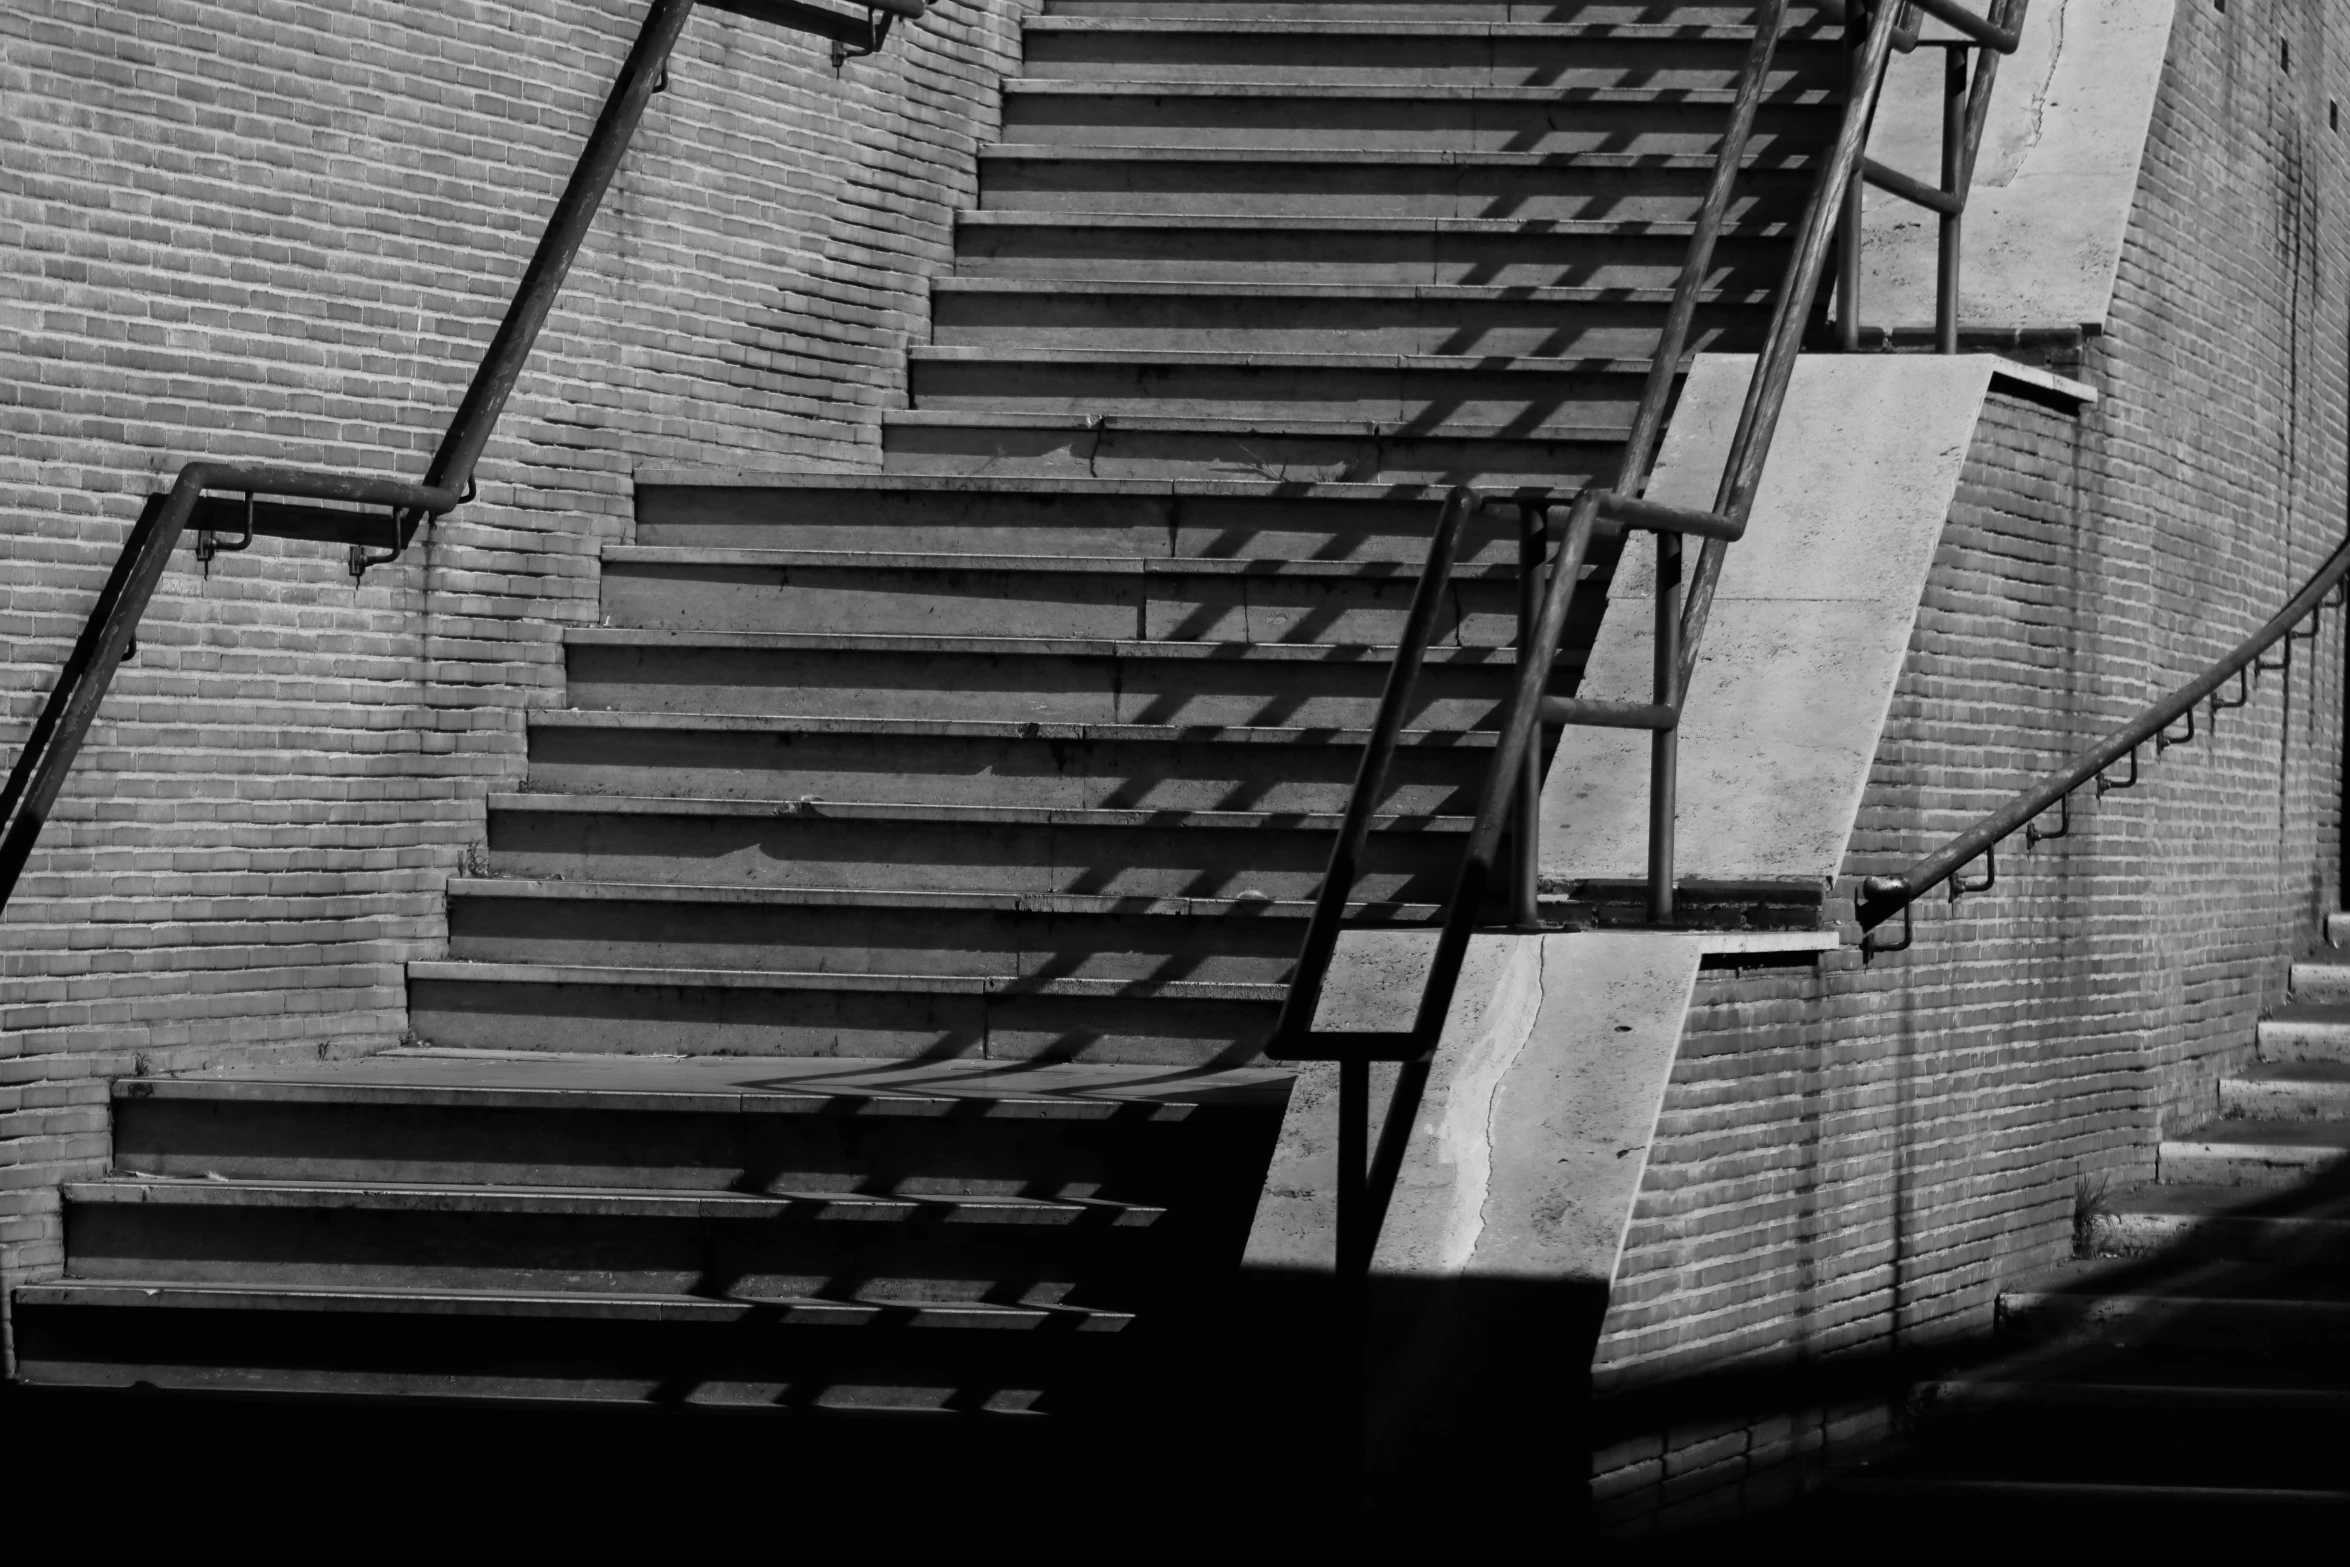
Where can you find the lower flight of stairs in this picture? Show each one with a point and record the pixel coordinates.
(2191, 1371)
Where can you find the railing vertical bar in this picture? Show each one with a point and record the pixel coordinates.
(1664, 744)
(1954, 160)
(1349, 1337)
(1857, 19)
(1526, 883)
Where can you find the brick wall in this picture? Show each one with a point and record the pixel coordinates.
(1851, 1158)
(283, 230)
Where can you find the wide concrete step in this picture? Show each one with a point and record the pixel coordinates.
(1201, 767)
(834, 844)
(1389, 319)
(1536, 395)
(907, 1017)
(1068, 516)
(2253, 1152)
(2215, 1313)
(832, 1246)
(1304, 452)
(2289, 1091)
(1685, 122)
(1395, 183)
(1151, 247)
(2322, 981)
(1005, 935)
(1035, 679)
(1564, 55)
(2218, 1221)
(2306, 1031)
(814, 1355)
(1198, 600)
(1064, 1132)
(1642, 15)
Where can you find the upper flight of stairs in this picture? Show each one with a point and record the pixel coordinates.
(2190, 1371)
(974, 807)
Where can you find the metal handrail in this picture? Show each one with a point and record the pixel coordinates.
(109, 636)
(1882, 897)
(1512, 782)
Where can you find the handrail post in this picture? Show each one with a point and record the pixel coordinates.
(1526, 885)
(1350, 1325)
(1664, 744)
(1857, 21)
(1954, 137)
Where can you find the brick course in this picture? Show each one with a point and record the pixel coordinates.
(1850, 1160)
(283, 232)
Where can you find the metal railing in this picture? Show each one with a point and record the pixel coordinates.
(1882, 897)
(1510, 798)
(201, 495)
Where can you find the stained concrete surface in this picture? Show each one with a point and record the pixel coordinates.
(1809, 628)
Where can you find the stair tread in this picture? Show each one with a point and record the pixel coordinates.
(1069, 816)
(1663, 33)
(1371, 86)
(996, 729)
(868, 898)
(1457, 430)
(1044, 647)
(2249, 1132)
(794, 1311)
(1772, 158)
(1405, 494)
(1175, 358)
(534, 1079)
(487, 973)
(1088, 565)
(130, 1187)
(2135, 1395)
(2328, 1013)
(2193, 1200)
(1437, 293)
(1339, 223)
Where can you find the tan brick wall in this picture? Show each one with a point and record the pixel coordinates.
(1849, 1160)
(283, 231)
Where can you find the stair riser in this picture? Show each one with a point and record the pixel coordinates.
(811, 851)
(2287, 1101)
(2255, 1331)
(1164, 323)
(2323, 984)
(1535, 400)
(2153, 1234)
(946, 770)
(1366, 124)
(2202, 1165)
(1241, 253)
(1026, 687)
(1009, 182)
(847, 1022)
(855, 599)
(2140, 1441)
(1205, 1162)
(354, 1354)
(831, 939)
(1473, 60)
(2304, 1041)
(955, 520)
(1563, 466)
(434, 1248)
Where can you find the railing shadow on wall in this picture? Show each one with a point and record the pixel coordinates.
(364, 512)
(1874, 30)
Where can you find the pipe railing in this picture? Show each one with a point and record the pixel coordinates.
(1882, 897)
(1510, 797)
(201, 494)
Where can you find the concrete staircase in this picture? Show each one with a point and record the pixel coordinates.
(860, 1005)
(2191, 1370)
